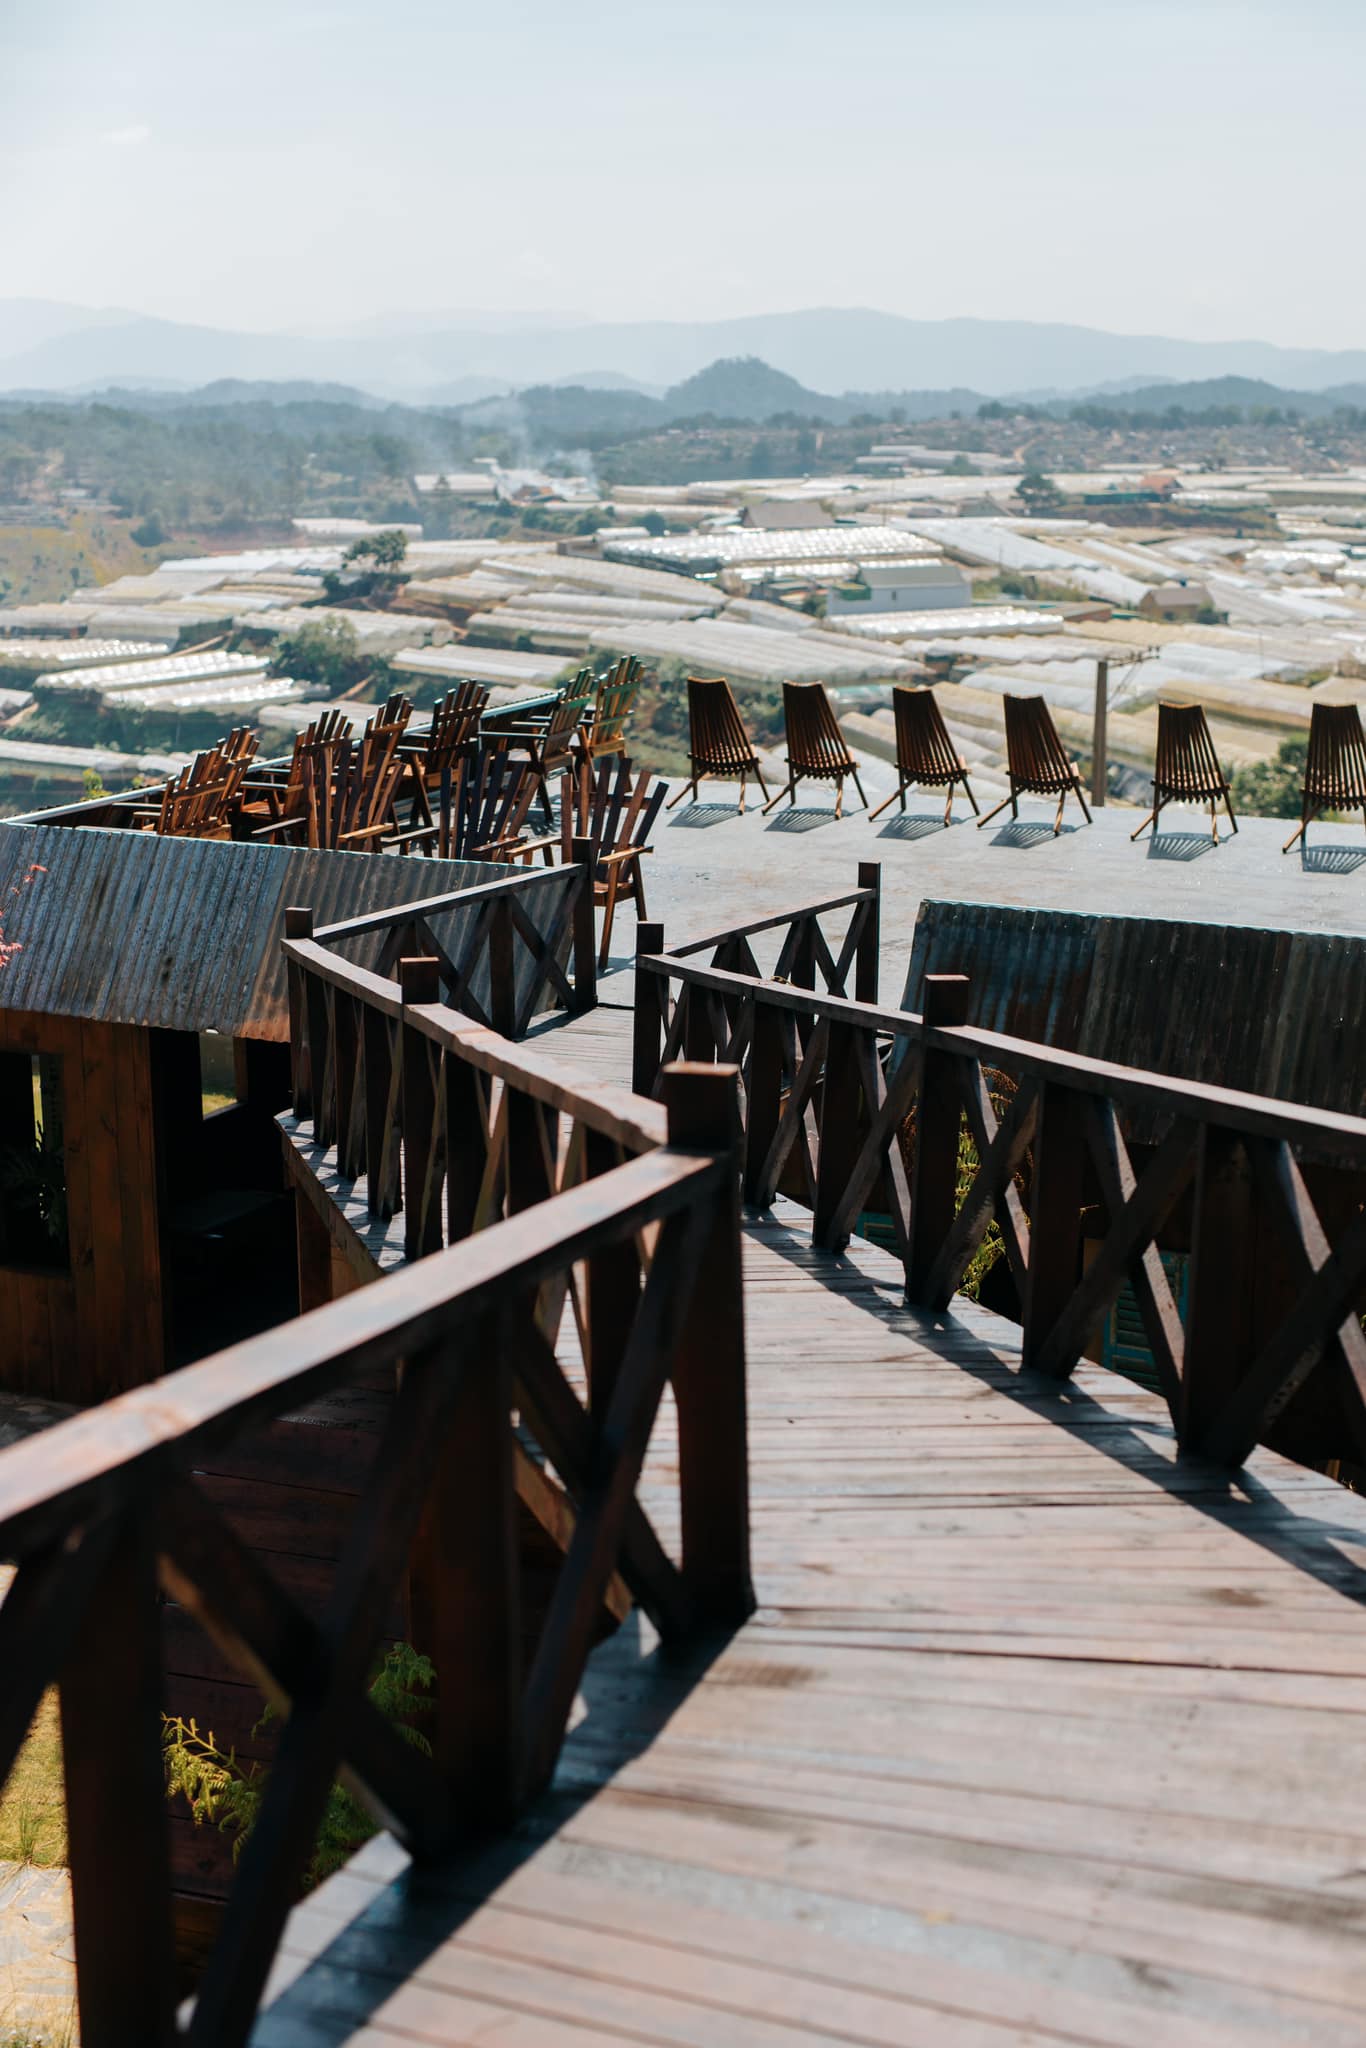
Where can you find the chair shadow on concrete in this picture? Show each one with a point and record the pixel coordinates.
(698, 815)
(801, 819)
(1024, 832)
(1332, 860)
(1180, 845)
(915, 825)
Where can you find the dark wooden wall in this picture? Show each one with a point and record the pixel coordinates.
(95, 1329)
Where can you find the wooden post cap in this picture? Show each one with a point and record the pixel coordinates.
(419, 977)
(946, 999)
(703, 1105)
(299, 922)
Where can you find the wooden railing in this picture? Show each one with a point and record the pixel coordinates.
(104, 1514)
(503, 971)
(851, 1108)
(441, 1118)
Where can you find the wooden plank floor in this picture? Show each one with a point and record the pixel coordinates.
(1037, 1737)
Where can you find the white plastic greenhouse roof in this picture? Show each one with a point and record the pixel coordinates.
(813, 547)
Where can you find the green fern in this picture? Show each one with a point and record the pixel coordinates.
(224, 1793)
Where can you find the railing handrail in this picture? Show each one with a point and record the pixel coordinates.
(1330, 1131)
(431, 906)
(91, 1464)
(764, 924)
(631, 1120)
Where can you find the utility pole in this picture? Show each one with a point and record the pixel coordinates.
(1099, 734)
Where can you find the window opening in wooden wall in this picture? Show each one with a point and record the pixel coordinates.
(33, 1220)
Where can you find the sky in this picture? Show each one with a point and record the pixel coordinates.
(1194, 170)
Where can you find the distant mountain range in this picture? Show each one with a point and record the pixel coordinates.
(736, 388)
(434, 360)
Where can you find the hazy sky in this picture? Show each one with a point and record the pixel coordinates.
(1195, 169)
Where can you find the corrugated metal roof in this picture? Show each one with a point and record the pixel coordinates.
(126, 927)
(1275, 1012)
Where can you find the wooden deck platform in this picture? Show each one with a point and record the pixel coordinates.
(1038, 1736)
(711, 869)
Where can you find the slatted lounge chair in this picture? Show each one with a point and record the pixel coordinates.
(485, 815)
(925, 753)
(268, 798)
(617, 811)
(432, 755)
(1187, 768)
(816, 747)
(550, 741)
(1335, 771)
(717, 741)
(1037, 762)
(603, 732)
(198, 803)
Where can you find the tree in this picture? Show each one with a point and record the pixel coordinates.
(1273, 789)
(387, 551)
(150, 533)
(653, 522)
(325, 653)
(1037, 491)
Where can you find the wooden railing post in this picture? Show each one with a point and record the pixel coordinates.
(612, 1290)
(466, 1589)
(584, 854)
(763, 1096)
(1220, 1339)
(299, 925)
(502, 969)
(709, 1363)
(346, 1041)
(870, 938)
(652, 993)
(938, 1120)
(841, 1133)
(381, 1121)
(420, 980)
(1056, 1197)
(118, 1833)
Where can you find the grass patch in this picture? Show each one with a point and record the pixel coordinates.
(32, 1806)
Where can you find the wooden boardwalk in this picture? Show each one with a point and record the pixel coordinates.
(1038, 1736)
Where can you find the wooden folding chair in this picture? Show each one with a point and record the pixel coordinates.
(717, 741)
(815, 745)
(484, 815)
(1187, 768)
(550, 741)
(925, 754)
(617, 811)
(432, 755)
(198, 803)
(602, 734)
(1037, 762)
(1335, 770)
(269, 797)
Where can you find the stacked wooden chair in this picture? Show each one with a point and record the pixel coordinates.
(816, 748)
(431, 759)
(1187, 768)
(717, 741)
(602, 734)
(617, 811)
(1037, 763)
(551, 742)
(346, 792)
(199, 802)
(925, 754)
(484, 816)
(268, 799)
(1335, 770)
